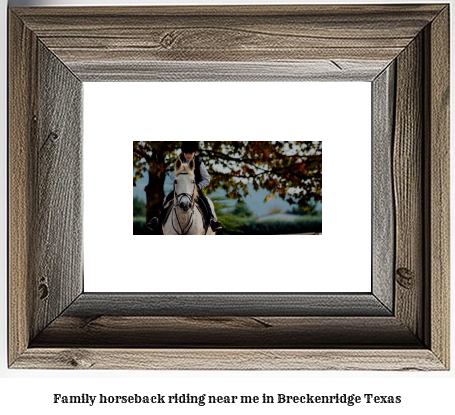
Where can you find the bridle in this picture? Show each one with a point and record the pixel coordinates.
(177, 200)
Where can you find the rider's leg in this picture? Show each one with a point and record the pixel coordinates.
(210, 214)
(154, 222)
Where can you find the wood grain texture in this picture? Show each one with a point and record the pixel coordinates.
(21, 174)
(235, 359)
(438, 197)
(408, 188)
(256, 332)
(213, 305)
(225, 321)
(308, 70)
(213, 44)
(227, 34)
(383, 215)
(58, 206)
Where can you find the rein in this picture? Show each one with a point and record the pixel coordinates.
(177, 199)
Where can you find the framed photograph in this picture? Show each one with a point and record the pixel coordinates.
(222, 187)
(400, 323)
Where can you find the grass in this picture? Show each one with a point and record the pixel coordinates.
(249, 226)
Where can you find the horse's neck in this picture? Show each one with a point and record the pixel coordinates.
(181, 220)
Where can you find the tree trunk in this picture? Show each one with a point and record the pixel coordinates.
(155, 187)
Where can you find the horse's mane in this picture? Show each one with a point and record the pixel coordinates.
(186, 168)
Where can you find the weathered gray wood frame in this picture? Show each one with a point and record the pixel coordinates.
(403, 50)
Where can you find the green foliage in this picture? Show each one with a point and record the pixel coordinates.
(245, 223)
(290, 170)
(139, 227)
(305, 224)
(275, 210)
(139, 208)
(302, 211)
(233, 219)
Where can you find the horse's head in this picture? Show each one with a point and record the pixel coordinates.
(185, 189)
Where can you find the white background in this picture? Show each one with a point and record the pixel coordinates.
(338, 114)
(31, 391)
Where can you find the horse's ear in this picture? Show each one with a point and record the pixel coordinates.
(178, 164)
(192, 164)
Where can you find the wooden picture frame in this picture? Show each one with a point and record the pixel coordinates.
(403, 324)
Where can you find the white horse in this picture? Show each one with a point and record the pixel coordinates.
(185, 218)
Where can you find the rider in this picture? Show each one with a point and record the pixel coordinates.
(189, 149)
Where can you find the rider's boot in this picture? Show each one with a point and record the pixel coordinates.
(215, 225)
(208, 213)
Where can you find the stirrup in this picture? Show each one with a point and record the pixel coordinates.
(153, 224)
